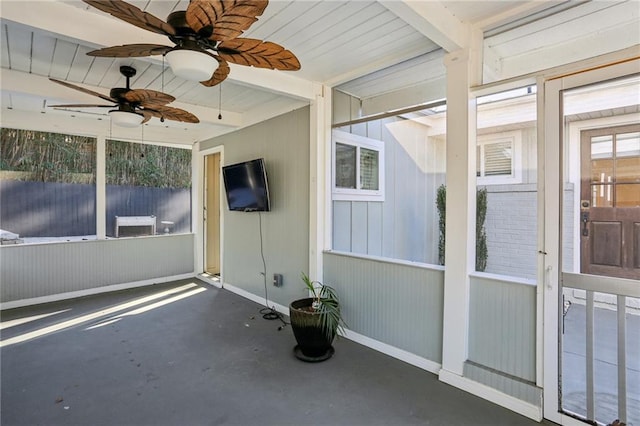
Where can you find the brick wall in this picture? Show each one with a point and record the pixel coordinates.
(512, 227)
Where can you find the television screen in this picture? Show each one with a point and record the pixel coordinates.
(246, 186)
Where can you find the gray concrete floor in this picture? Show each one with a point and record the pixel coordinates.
(205, 359)
(574, 365)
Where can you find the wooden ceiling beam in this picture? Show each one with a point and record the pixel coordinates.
(433, 20)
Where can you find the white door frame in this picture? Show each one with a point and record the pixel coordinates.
(198, 184)
(551, 157)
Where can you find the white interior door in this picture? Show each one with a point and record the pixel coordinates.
(592, 314)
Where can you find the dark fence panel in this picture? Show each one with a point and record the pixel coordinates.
(166, 204)
(39, 209)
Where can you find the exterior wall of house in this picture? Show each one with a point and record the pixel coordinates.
(404, 225)
(283, 232)
(31, 271)
(512, 229)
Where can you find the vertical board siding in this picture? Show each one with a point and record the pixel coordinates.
(359, 227)
(374, 229)
(38, 270)
(342, 225)
(283, 142)
(400, 305)
(502, 327)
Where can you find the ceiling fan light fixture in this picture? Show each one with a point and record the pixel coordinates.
(191, 64)
(126, 119)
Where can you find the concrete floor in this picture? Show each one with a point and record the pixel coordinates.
(574, 376)
(205, 357)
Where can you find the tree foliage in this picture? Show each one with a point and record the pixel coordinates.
(55, 157)
(482, 252)
(147, 165)
(48, 157)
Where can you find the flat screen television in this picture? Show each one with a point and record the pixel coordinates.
(246, 186)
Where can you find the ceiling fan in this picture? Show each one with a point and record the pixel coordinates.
(205, 37)
(133, 106)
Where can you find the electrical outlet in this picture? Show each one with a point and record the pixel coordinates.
(277, 280)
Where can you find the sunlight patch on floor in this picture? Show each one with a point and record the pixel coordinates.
(20, 321)
(92, 316)
(146, 308)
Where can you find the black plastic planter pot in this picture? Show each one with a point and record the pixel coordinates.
(313, 344)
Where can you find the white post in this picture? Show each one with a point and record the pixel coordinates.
(197, 215)
(460, 212)
(101, 189)
(320, 131)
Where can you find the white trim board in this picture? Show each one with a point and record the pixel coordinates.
(492, 395)
(392, 351)
(258, 299)
(92, 291)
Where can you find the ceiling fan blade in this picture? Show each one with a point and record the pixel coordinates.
(147, 97)
(258, 53)
(146, 114)
(83, 90)
(81, 106)
(131, 51)
(132, 15)
(219, 75)
(170, 113)
(229, 18)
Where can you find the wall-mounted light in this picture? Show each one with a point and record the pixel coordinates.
(125, 119)
(191, 64)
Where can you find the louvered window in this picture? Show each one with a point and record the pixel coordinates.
(368, 169)
(357, 168)
(497, 158)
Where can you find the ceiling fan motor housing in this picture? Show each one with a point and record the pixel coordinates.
(117, 93)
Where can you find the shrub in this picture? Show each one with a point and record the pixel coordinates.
(482, 253)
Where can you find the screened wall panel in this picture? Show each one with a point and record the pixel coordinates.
(397, 304)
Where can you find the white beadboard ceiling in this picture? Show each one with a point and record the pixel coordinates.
(369, 49)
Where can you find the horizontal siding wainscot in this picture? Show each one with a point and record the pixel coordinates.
(36, 273)
(502, 335)
(393, 306)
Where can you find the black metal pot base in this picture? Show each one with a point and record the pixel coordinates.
(328, 354)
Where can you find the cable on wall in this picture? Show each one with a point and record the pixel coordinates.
(267, 312)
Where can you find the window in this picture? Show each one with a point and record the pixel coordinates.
(497, 158)
(358, 174)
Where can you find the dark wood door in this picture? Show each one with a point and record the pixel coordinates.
(610, 202)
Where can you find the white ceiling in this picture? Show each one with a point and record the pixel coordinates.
(370, 49)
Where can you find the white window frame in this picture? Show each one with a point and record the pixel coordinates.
(357, 194)
(515, 138)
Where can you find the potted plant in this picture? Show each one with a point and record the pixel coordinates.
(315, 321)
